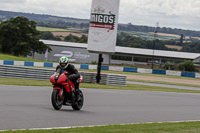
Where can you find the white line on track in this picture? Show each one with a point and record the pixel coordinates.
(50, 128)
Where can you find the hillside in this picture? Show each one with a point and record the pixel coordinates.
(67, 22)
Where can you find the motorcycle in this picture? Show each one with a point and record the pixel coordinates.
(64, 92)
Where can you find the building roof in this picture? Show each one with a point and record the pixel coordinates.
(158, 53)
(68, 44)
(132, 51)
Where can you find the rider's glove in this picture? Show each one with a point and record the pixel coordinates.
(71, 77)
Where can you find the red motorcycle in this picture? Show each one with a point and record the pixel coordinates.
(64, 91)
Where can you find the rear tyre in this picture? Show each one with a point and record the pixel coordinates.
(79, 102)
(55, 100)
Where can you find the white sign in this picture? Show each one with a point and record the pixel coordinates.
(103, 26)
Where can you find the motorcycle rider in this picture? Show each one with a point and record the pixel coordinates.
(73, 74)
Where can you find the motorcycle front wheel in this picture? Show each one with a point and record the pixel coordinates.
(56, 101)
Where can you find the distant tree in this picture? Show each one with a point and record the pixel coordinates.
(83, 39)
(71, 38)
(168, 66)
(181, 39)
(47, 35)
(187, 66)
(135, 45)
(19, 36)
(68, 38)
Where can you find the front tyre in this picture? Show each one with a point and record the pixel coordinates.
(55, 100)
(79, 102)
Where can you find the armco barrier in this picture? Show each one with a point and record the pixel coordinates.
(48, 64)
(84, 67)
(7, 62)
(94, 67)
(187, 74)
(44, 74)
(104, 67)
(173, 73)
(197, 75)
(114, 68)
(28, 63)
(143, 70)
(128, 69)
(156, 71)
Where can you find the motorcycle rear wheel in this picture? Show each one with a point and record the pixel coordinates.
(55, 100)
(79, 103)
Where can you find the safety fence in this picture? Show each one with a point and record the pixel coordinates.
(44, 74)
(113, 68)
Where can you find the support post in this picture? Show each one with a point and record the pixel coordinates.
(154, 43)
(98, 77)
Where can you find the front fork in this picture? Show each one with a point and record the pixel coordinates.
(72, 93)
(60, 91)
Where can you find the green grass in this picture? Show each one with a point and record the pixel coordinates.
(51, 29)
(16, 58)
(147, 35)
(162, 82)
(141, 74)
(28, 82)
(24, 82)
(166, 127)
(56, 29)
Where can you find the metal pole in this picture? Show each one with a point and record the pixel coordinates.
(98, 77)
(154, 43)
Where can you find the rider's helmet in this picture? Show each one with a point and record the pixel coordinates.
(64, 62)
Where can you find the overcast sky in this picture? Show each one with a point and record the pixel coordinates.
(183, 14)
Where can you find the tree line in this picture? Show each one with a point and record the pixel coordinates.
(47, 35)
(130, 27)
(18, 36)
(125, 40)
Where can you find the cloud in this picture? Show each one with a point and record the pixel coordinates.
(12, 1)
(169, 13)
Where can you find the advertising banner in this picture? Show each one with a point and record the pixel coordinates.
(103, 26)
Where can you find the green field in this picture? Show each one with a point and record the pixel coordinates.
(166, 127)
(56, 29)
(28, 82)
(143, 74)
(146, 35)
(168, 83)
(51, 29)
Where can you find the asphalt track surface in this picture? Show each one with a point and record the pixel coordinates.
(23, 107)
(164, 85)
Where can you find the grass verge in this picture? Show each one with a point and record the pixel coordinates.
(28, 82)
(166, 127)
(140, 74)
(160, 82)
